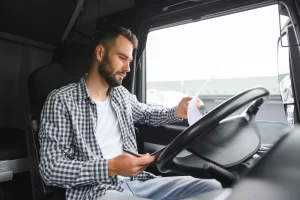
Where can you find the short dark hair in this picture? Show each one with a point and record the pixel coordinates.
(109, 33)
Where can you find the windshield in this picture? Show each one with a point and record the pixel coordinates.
(230, 54)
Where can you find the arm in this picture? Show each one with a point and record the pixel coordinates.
(143, 113)
(57, 166)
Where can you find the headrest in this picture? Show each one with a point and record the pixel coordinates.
(73, 57)
(42, 82)
(71, 60)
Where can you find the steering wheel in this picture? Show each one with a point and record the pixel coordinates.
(167, 163)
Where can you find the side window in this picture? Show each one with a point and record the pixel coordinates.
(234, 52)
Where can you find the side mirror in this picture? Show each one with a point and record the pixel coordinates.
(286, 25)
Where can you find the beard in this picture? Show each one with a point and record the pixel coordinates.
(105, 69)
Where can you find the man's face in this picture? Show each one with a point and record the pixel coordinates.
(116, 62)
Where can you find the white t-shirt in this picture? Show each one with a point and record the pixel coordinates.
(108, 131)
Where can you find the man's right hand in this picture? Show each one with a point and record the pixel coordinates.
(128, 165)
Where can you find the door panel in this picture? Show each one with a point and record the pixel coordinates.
(162, 135)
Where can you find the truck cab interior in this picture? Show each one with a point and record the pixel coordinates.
(248, 137)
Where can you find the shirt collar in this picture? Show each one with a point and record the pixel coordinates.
(83, 92)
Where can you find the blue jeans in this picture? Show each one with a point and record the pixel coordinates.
(169, 188)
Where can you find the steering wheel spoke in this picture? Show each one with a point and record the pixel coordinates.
(253, 108)
(192, 165)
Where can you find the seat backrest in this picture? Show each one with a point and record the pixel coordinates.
(70, 62)
(41, 82)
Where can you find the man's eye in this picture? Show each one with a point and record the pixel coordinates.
(122, 58)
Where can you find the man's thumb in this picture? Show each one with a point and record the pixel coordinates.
(146, 159)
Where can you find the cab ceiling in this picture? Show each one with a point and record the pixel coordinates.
(50, 21)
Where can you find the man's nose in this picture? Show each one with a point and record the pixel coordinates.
(127, 67)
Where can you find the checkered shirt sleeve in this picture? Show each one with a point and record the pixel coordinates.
(155, 116)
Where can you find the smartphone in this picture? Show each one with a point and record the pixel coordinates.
(132, 153)
(158, 152)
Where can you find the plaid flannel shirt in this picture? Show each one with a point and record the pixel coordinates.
(70, 154)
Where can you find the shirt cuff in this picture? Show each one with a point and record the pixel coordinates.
(101, 172)
(172, 115)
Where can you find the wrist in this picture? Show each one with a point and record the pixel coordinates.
(176, 113)
(111, 168)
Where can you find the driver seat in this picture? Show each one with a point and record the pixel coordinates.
(69, 63)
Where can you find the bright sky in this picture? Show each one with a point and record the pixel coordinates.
(237, 45)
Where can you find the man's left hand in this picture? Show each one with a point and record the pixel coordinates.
(181, 109)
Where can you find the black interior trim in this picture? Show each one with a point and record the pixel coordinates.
(26, 41)
(73, 19)
(293, 7)
(207, 11)
(276, 175)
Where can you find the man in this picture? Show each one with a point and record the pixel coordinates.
(86, 126)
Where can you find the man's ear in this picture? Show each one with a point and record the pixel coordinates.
(100, 52)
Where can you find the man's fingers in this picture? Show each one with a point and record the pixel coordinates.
(145, 160)
(188, 98)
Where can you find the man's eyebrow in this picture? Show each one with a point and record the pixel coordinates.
(122, 54)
